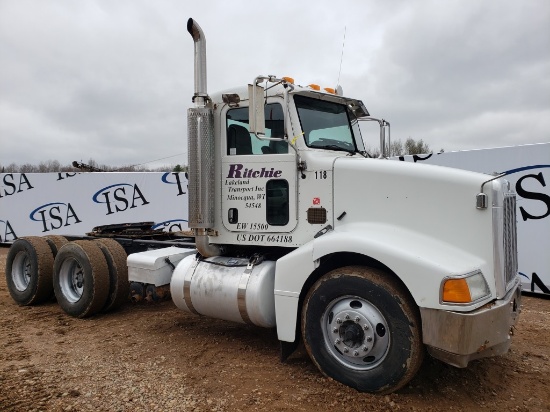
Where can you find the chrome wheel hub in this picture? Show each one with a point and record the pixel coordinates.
(356, 333)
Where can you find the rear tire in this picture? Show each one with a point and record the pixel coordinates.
(55, 242)
(81, 278)
(119, 288)
(361, 328)
(29, 270)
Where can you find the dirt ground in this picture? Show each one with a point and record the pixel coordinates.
(157, 358)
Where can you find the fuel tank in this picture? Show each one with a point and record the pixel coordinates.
(235, 289)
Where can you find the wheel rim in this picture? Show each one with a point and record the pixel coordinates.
(356, 333)
(21, 271)
(71, 280)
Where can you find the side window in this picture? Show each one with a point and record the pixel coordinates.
(241, 142)
(277, 212)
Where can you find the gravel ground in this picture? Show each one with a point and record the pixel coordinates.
(157, 358)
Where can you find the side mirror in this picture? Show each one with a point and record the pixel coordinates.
(256, 109)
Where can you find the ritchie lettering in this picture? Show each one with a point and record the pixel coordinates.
(238, 171)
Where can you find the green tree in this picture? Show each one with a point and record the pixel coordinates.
(180, 168)
(410, 147)
(413, 147)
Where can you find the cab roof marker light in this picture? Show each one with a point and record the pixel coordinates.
(330, 90)
(315, 86)
(288, 79)
(465, 289)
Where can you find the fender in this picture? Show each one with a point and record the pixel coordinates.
(416, 259)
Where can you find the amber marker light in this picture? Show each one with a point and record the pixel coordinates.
(465, 289)
(456, 291)
(288, 80)
(315, 86)
(330, 90)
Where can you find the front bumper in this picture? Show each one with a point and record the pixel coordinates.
(457, 338)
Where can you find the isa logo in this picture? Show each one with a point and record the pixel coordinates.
(10, 185)
(55, 216)
(174, 225)
(65, 175)
(533, 187)
(174, 179)
(120, 197)
(7, 234)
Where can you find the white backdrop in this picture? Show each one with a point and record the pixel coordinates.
(73, 203)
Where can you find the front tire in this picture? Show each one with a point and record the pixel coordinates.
(361, 328)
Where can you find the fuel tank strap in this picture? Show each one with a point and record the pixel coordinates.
(241, 294)
(187, 286)
(243, 284)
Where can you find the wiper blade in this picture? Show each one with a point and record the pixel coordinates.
(334, 147)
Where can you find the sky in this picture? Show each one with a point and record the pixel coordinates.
(112, 80)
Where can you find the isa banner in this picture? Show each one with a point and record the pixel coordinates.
(73, 203)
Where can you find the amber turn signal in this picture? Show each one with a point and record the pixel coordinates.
(456, 291)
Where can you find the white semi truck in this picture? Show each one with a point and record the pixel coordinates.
(370, 262)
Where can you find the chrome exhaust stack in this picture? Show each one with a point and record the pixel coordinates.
(201, 96)
(200, 126)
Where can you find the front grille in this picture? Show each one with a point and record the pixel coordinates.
(509, 232)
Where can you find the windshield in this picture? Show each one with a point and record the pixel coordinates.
(327, 125)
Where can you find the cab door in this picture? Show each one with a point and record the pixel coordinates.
(259, 178)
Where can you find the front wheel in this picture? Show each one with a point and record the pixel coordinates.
(362, 329)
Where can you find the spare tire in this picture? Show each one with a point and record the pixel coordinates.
(81, 278)
(29, 270)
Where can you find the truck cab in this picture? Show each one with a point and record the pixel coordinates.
(369, 262)
(275, 188)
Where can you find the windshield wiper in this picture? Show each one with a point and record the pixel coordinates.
(334, 147)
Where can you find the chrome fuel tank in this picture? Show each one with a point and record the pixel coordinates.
(234, 289)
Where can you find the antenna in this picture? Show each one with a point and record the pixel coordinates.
(341, 58)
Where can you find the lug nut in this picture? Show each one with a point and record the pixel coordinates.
(357, 319)
(346, 350)
(369, 339)
(366, 327)
(337, 341)
(335, 330)
(365, 349)
(338, 320)
(347, 317)
(355, 353)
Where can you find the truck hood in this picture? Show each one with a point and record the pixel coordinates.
(414, 206)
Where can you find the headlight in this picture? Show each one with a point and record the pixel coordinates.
(464, 289)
